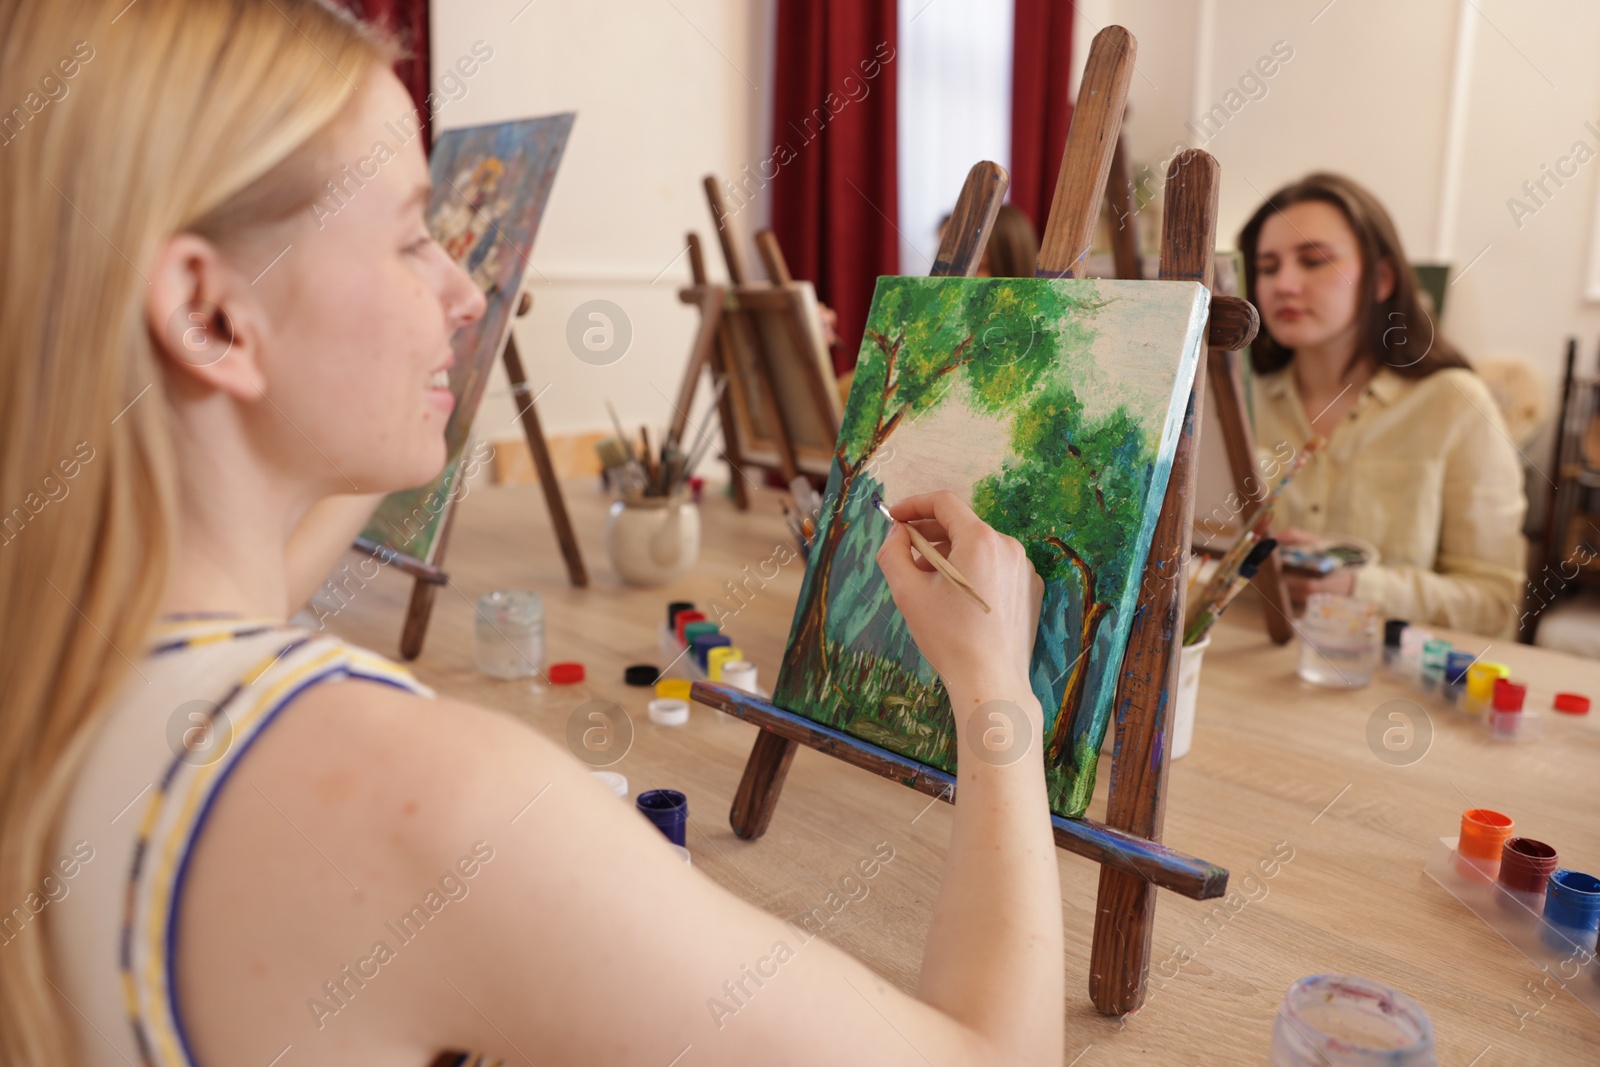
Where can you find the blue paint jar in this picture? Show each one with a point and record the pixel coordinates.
(704, 643)
(1455, 675)
(1571, 911)
(668, 809)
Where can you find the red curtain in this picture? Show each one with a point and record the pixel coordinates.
(1041, 102)
(835, 202)
(408, 21)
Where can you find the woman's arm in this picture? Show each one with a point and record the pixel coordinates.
(1478, 574)
(579, 937)
(320, 538)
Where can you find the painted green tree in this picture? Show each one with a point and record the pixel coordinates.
(1001, 337)
(1073, 494)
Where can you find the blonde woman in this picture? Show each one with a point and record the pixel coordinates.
(357, 874)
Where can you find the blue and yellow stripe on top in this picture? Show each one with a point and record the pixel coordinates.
(180, 800)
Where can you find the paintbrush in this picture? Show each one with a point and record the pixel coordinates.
(931, 554)
(622, 437)
(698, 449)
(1209, 613)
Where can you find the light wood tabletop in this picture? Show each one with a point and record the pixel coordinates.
(1324, 840)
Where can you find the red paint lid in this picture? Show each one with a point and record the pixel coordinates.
(1572, 703)
(565, 673)
(1508, 695)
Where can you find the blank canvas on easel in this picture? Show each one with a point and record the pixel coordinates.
(1053, 407)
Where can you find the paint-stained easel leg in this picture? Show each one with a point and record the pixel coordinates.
(764, 773)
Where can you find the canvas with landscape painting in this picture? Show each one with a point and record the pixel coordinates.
(490, 187)
(1053, 407)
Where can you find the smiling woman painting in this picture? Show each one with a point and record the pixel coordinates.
(1417, 462)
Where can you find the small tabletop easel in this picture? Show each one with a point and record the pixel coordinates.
(780, 408)
(1127, 845)
(430, 576)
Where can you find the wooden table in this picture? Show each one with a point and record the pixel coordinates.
(1280, 775)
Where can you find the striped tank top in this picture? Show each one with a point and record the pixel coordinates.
(205, 690)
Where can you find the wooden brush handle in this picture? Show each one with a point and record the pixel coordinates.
(944, 566)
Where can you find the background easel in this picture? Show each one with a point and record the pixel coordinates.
(1227, 388)
(430, 576)
(780, 408)
(1133, 860)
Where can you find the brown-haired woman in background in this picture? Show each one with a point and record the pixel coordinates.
(1417, 460)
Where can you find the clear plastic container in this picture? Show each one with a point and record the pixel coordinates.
(1335, 1020)
(1340, 639)
(509, 634)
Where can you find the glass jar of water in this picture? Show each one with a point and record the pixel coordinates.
(1339, 641)
(1336, 1020)
(509, 632)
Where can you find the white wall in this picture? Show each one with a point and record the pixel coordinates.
(1369, 92)
(664, 93)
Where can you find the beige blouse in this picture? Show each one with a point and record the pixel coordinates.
(1422, 469)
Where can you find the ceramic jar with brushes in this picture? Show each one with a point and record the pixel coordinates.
(653, 528)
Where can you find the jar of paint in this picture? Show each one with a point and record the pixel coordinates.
(1456, 665)
(668, 810)
(1571, 912)
(1431, 674)
(1481, 677)
(1336, 1020)
(652, 540)
(1412, 638)
(1483, 838)
(1506, 720)
(508, 634)
(1525, 869)
(1339, 641)
(740, 674)
(1392, 631)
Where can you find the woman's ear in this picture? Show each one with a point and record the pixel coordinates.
(1385, 279)
(204, 318)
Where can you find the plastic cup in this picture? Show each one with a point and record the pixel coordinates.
(1189, 658)
(1571, 912)
(668, 809)
(1525, 869)
(1483, 838)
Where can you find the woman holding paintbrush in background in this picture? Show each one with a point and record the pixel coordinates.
(1416, 460)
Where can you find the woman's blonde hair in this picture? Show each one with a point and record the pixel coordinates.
(123, 124)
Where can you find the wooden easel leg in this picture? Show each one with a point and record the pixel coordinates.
(730, 443)
(1239, 444)
(1125, 913)
(764, 774)
(554, 501)
(417, 614)
(420, 610)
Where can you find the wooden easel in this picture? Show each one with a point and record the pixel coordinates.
(1128, 847)
(1227, 389)
(429, 577)
(764, 383)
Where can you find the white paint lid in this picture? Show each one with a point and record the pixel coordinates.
(664, 711)
(617, 783)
